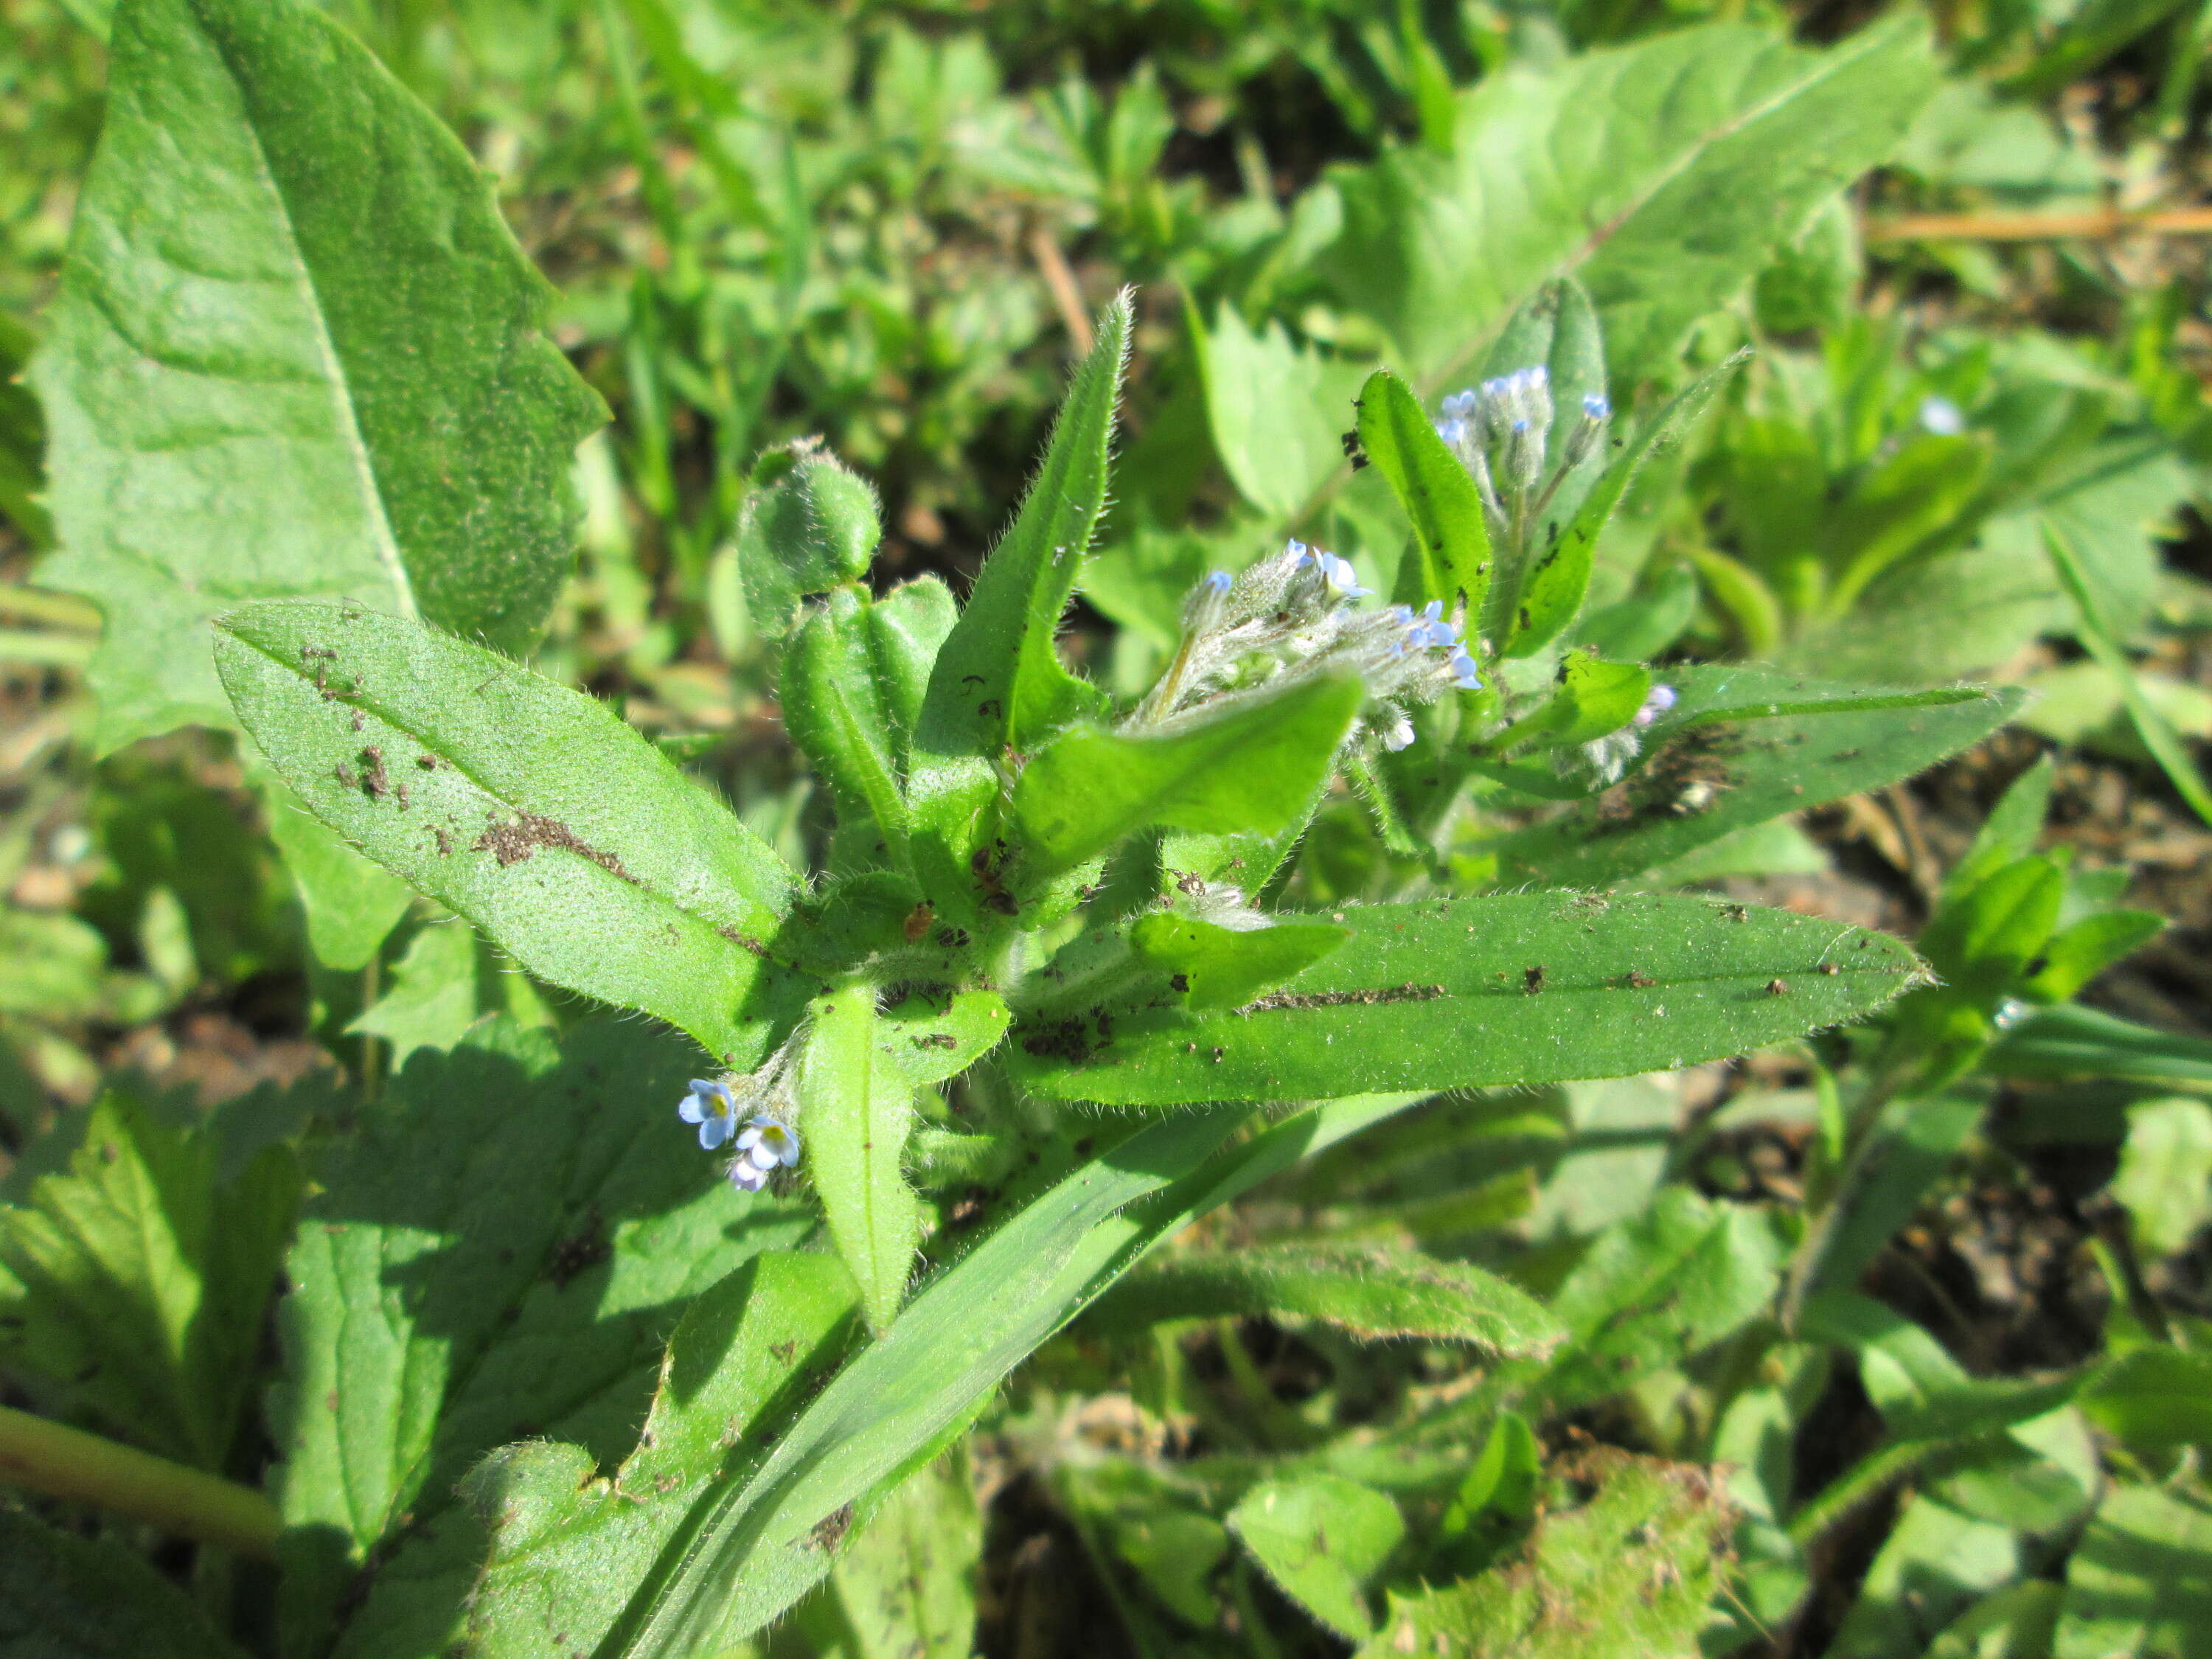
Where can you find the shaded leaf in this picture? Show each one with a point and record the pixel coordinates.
(1222, 966)
(856, 1109)
(65, 1597)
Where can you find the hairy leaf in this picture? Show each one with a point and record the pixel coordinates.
(1452, 993)
(532, 810)
(1221, 967)
(1373, 1292)
(295, 350)
(1625, 1574)
(66, 1597)
(856, 1107)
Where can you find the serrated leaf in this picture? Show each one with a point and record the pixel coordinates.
(1627, 1574)
(1663, 173)
(1222, 968)
(134, 1284)
(295, 350)
(1438, 495)
(855, 1110)
(501, 1253)
(1454, 993)
(532, 810)
(1251, 764)
(66, 1597)
(1324, 1540)
(1700, 780)
(1374, 1292)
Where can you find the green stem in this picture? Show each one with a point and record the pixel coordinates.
(46, 1456)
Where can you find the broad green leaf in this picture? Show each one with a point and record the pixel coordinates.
(1277, 410)
(2164, 1176)
(501, 1253)
(1700, 780)
(906, 1586)
(2073, 956)
(66, 1597)
(1546, 597)
(295, 350)
(1373, 1292)
(1222, 968)
(432, 999)
(532, 810)
(1663, 173)
(134, 1284)
(1627, 1574)
(1454, 993)
(1250, 764)
(1324, 1540)
(928, 1042)
(567, 1548)
(855, 1110)
(1439, 494)
(814, 528)
(351, 904)
(952, 1343)
(1935, 1560)
(1656, 1288)
(2139, 1583)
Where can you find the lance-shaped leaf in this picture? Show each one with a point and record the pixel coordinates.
(855, 1110)
(1702, 777)
(295, 350)
(1552, 589)
(1536, 988)
(998, 683)
(833, 706)
(1372, 1292)
(1595, 697)
(1436, 492)
(529, 809)
(1222, 966)
(999, 679)
(1253, 764)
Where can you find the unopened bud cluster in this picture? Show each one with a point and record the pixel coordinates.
(1501, 431)
(1298, 612)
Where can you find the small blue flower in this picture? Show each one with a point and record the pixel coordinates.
(1594, 407)
(1656, 701)
(1460, 405)
(709, 1105)
(1462, 667)
(767, 1145)
(1220, 581)
(1452, 429)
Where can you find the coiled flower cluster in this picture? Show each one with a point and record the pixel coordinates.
(1298, 613)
